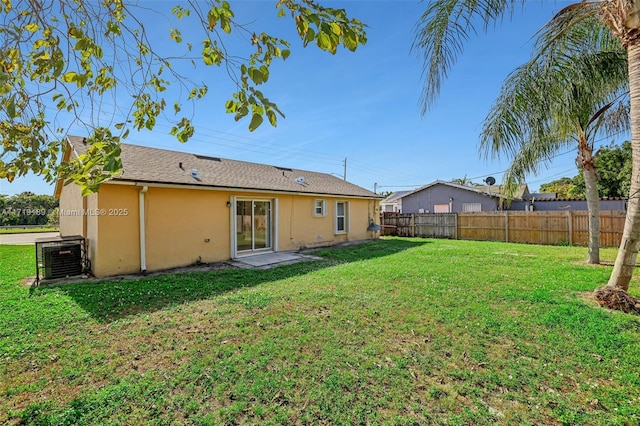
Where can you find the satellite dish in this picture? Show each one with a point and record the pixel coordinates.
(300, 180)
(490, 180)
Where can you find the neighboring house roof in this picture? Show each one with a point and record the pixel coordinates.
(153, 165)
(394, 197)
(540, 196)
(538, 200)
(475, 189)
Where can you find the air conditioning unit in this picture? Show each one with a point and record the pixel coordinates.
(61, 259)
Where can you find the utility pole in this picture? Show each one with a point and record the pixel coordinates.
(375, 188)
(344, 175)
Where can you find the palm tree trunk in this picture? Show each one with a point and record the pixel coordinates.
(593, 201)
(628, 251)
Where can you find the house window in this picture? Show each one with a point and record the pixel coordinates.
(319, 208)
(441, 208)
(471, 207)
(342, 217)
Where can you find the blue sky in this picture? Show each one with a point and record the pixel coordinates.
(362, 106)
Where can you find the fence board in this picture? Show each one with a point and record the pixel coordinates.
(438, 225)
(549, 227)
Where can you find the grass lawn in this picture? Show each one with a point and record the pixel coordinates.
(27, 230)
(397, 331)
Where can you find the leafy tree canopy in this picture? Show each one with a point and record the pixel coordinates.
(26, 208)
(613, 164)
(60, 59)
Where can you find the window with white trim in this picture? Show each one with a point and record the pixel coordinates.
(342, 217)
(319, 208)
(471, 207)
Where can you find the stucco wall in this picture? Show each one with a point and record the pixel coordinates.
(71, 211)
(300, 228)
(441, 194)
(178, 224)
(185, 226)
(113, 234)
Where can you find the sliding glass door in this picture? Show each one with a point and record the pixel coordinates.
(253, 225)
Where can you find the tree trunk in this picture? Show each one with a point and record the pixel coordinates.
(593, 200)
(628, 252)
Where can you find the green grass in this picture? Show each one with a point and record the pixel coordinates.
(27, 230)
(398, 331)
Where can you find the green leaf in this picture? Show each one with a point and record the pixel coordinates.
(265, 73)
(285, 54)
(255, 75)
(281, 13)
(256, 121)
(32, 28)
(70, 77)
(310, 36)
(11, 108)
(231, 106)
(324, 41)
(273, 119)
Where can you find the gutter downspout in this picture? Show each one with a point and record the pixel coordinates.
(143, 243)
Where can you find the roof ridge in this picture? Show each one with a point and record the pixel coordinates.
(208, 155)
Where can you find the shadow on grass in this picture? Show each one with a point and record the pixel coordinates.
(110, 300)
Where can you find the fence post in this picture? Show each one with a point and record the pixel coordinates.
(506, 226)
(455, 226)
(570, 217)
(413, 225)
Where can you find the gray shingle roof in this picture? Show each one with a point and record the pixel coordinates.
(153, 165)
(395, 196)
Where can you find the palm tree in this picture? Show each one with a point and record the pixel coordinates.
(464, 181)
(446, 24)
(569, 93)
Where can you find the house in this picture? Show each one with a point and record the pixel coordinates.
(545, 203)
(447, 197)
(393, 202)
(169, 209)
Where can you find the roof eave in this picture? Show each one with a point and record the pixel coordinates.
(139, 182)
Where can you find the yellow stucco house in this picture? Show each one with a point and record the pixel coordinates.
(169, 209)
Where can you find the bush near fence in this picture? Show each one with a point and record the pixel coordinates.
(542, 227)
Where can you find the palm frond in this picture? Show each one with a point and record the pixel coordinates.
(568, 30)
(574, 87)
(442, 31)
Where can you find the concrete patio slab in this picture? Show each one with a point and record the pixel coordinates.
(270, 260)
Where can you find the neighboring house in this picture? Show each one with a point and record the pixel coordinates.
(393, 202)
(171, 209)
(560, 204)
(447, 197)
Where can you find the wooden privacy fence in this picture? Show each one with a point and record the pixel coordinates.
(547, 227)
